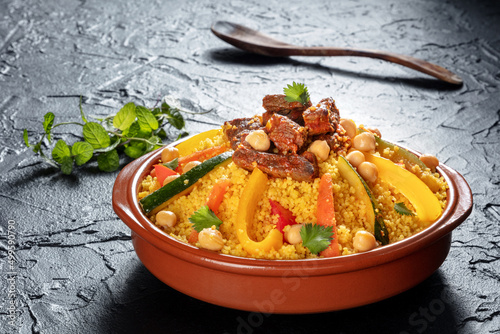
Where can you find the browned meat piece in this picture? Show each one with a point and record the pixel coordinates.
(322, 118)
(338, 141)
(237, 129)
(297, 167)
(286, 135)
(277, 104)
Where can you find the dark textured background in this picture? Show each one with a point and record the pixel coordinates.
(77, 271)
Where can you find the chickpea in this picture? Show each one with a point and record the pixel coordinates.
(211, 239)
(170, 178)
(259, 140)
(355, 157)
(292, 235)
(166, 218)
(430, 161)
(169, 154)
(349, 127)
(364, 241)
(190, 165)
(364, 142)
(320, 149)
(368, 171)
(375, 131)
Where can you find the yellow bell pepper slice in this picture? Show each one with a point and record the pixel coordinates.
(190, 145)
(427, 205)
(246, 210)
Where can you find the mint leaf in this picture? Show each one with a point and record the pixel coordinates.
(67, 165)
(96, 135)
(82, 151)
(135, 149)
(204, 218)
(174, 116)
(48, 122)
(125, 117)
(146, 118)
(316, 237)
(25, 137)
(402, 209)
(61, 151)
(109, 161)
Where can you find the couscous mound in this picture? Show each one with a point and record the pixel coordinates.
(354, 225)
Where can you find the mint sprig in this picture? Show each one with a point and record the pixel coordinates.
(133, 130)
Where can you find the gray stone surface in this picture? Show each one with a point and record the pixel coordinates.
(76, 270)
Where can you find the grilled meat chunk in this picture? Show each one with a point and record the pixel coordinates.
(237, 129)
(276, 104)
(322, 118)
(287, 136)
(295, 166)
(338, 141)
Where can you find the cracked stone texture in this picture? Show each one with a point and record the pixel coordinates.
(76, 268)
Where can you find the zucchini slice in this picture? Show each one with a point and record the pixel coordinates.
(183, 182)
(365, 195)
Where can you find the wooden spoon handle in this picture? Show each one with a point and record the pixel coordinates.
(411, 62)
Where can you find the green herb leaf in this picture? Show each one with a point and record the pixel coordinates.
(174, 116)
(82, 152)
(402, 209)
(173, 164)
(48, 122)
(125, 117)
(26, 139)
(297, 92)
(135, 149)
(96, 135)
(162, 134)
(316, 237)
(84, 119)
(61, 151)
(146, 118)
(204, 218)
(67, 165)
(109, 161)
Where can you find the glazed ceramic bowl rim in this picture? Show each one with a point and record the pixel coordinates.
(125, 203)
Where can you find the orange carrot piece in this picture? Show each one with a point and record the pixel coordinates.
(162, 172)
(201, 156)
(217, 194)
(325, 213)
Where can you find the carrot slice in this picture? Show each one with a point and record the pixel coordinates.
(217, 194)
(201, 156)
(162, 172)
(325, 213)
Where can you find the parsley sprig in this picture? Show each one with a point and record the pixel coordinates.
(316, 237)
(402, 209)
(297, 92)
(204, 218)
(133, 130)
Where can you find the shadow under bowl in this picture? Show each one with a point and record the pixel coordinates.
(288, 286)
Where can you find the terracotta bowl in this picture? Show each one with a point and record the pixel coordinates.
(288, 286)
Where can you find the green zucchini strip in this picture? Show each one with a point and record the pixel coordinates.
(183, 182)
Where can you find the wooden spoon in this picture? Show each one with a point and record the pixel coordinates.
(254, 41)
